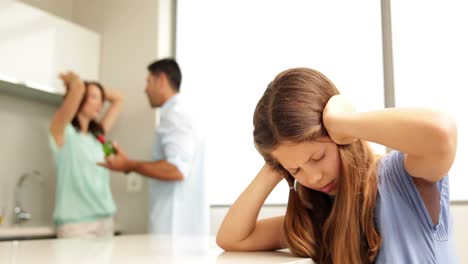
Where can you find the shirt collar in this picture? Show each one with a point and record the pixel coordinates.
(169, 103)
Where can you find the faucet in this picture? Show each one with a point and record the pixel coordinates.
(22, 216)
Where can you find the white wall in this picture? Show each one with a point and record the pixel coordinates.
(61, 8)
(460, 214)
(129, 34)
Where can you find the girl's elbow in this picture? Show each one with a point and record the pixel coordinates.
(226, 241)
(448, 134)
(223, 243)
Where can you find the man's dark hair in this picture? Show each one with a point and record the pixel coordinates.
(169, 67)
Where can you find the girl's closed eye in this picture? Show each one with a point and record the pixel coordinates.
(296, 171)
(319, 159)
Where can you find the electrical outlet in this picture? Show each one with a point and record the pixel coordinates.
(134, 183)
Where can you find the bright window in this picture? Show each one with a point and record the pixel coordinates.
(230, 50)
(430, 50)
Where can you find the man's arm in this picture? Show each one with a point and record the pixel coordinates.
(160, 169)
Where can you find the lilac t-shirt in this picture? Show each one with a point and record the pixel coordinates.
(408, 234)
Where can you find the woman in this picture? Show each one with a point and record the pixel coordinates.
(84, 206)
(346, 205)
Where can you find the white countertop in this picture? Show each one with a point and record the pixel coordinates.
(133, 249)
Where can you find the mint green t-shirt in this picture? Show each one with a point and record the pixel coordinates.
(82, 191)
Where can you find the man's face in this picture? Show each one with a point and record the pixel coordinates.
(154, 90)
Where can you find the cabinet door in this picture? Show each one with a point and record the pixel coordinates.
(35, 46)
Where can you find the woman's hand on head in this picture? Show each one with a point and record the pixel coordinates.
(69, 78)
(336, 109)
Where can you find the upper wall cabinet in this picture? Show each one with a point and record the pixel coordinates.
(35, 46)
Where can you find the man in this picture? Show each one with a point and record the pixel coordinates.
(177, 187)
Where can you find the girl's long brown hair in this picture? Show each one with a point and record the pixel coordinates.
(328, 230)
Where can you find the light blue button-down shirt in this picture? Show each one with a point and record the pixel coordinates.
(409, 236)
(179, 207)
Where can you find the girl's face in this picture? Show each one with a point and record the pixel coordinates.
(93, 104)
(314, 164)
